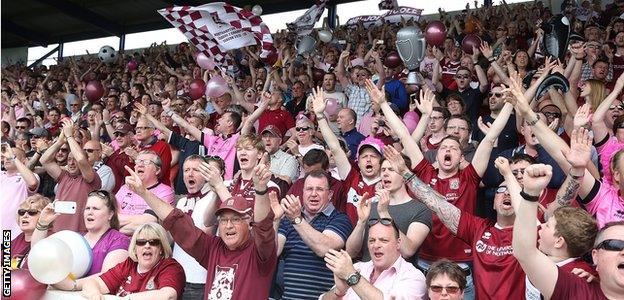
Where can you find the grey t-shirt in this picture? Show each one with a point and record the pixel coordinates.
(403, 215)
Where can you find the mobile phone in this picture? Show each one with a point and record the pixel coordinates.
(381, 123)
(342, 42)
(413, 97)
(65, 207)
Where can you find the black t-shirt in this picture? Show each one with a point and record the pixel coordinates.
(472, 98)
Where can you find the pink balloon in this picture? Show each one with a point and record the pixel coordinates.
(331, 107)
(410, 121)
(197, 88)
(94, 91)
(204, 61)
(132, 65)
(24, 286)
(216, 87)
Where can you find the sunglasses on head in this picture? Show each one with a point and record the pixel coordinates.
(449, 289)
(302, 129)
(383, 221)
(152, 242)
(104, 194)
(611, 245)
(31, 212)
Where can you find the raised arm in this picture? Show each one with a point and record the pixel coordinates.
(356, 239)
(29, 177)
(251, 119)
(483, 80)
(195, 132)
(601, 111)
(425, 108)
(86, 168)
(160, 207)
(343, 78)
(446, 212)
(395, 123)
(488, 54)
(479, 161)
(579, 156)
(340, 157)
(160, 126)
(540, 270)
(47, 158)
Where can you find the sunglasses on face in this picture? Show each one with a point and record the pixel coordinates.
(462, 76)
(118, 134)
(497, 95)
(302, 129)
(619, 107)
(151, 242)
(501, 189)
(91, 150)
(611, 245)
(31, 212)
(64, 150)
(20, 127)
(518, 171)
(449, 289)
(552, 115)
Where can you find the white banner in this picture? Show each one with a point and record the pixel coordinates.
(304, 24)
(392, 16)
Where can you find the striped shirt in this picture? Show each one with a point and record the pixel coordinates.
(359, 100)
(305, 273)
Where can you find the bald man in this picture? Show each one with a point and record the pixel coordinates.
(94, 155)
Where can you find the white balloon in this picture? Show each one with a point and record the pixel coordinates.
(256, 10)
(107, 54)
(325, 36)
(81, 252)
(50, 261)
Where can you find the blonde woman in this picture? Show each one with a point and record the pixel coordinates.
(149, 272)
(28, 214)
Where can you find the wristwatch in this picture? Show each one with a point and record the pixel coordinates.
(353, 279)
(297, 220)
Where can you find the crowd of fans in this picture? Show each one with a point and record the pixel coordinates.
(267, 191)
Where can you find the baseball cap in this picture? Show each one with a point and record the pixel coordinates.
(123, 128)
(38, 132)
(237, 204)
(272, 130)
(371, 142)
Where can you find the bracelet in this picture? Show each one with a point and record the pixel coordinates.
(75, 286)
(169, 113)
(321, 117)
(492, 59)
(42, 227)
(260, 193)
(575, 177)
(528, 197)
(107, 123)
(474, 63)
(410, 177)
(532, 123)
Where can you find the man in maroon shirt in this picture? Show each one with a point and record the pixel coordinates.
(276, 115)
(148, 141)
(489, 241)
(554, 282)
(240, 264)
(119, 159)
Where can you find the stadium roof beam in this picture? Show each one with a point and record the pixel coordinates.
(184, 2)
(25, 33)
(38, 61)
(75, 11)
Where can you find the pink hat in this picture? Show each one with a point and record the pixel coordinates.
(373, 142)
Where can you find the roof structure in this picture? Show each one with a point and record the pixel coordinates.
(29, 23)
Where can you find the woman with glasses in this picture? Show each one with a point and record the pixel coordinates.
(28, 215)
(445, 280)
(303, 139)
(148, 273)
(108, 245)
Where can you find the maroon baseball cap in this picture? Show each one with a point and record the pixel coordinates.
(237, 204)
(123, 128)
(272, 129)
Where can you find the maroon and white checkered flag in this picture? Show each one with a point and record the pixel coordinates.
(217, 28)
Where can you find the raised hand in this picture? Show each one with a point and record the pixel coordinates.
(485, 128)
(47, 215)
(377, 96)
(340, 263)
(140, 108)
(275, 205)
(318, 100)
(384, 200)
(134, 182)
(291, 206)
(425, 106)
(486, 50)
(536, 178)
(364, 209)
(68, 128)
(211, 174)
(396, 160)
(502, 164)
(261, 176)
(554, 124)
(579, 153)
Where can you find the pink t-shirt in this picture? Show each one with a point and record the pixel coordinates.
(14, 191)
(133, 204)
(607, 206)
(224, 148)
(606, 152)
(401, 281)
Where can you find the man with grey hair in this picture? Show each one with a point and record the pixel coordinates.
(132, 207)
(149, 141)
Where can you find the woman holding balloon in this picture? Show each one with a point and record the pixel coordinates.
(108, 245)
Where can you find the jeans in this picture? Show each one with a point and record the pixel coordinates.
(193, 291)
(469, 292)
